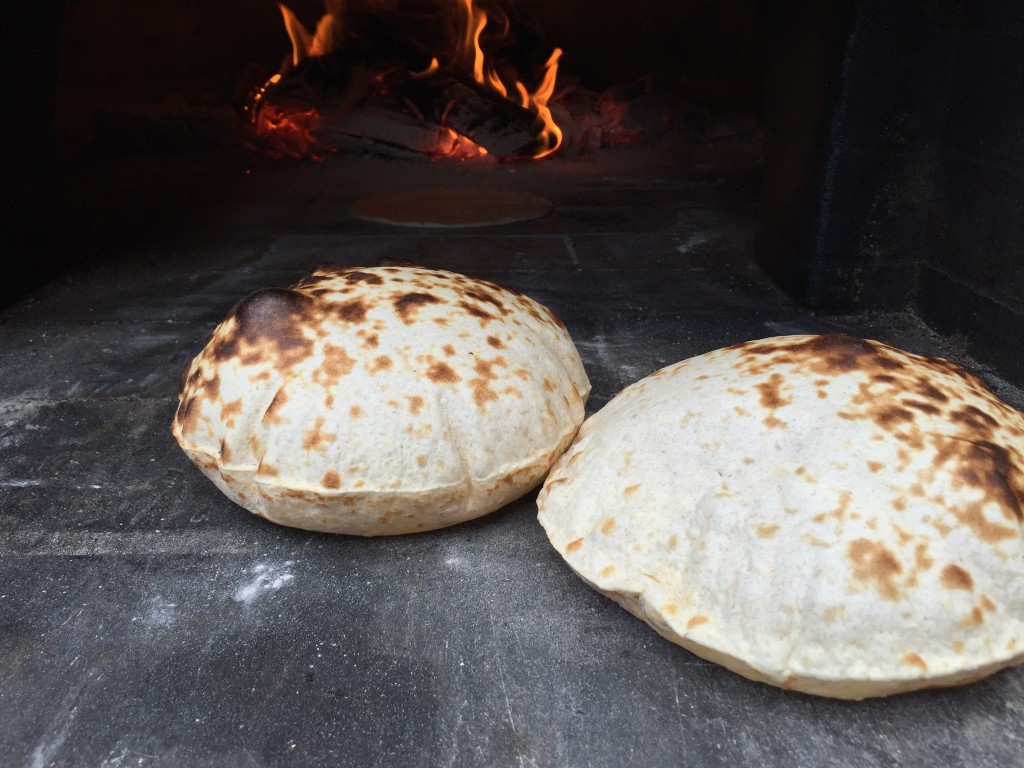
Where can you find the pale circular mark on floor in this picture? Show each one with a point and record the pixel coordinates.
(450, 208)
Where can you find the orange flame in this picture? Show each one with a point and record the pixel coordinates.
(552, 134)
(469, 56)
(298, 34)
(431, 69)
(326, 39)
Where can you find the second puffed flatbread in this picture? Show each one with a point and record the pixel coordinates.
(823, 513)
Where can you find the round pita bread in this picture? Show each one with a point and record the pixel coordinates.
(382, 400)
(452, 208)
(823, 513)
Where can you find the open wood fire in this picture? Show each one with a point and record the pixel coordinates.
(422, 78)
(439, 78)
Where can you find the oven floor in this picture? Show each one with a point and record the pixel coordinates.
(146, 620)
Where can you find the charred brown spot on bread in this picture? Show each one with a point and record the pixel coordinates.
(629, 490)
(987, 468)
(840, 510)
(608, 525)
(448, 349)
(973, 418)
(481, 385)
(225, 451)
(928, 408)
(228, 411)
(826, 355)
(475, 311)
(973, 619)
(973, 516)
(696, 621)
(266, 470)
(875, 466)
(415, 404)
(485, 368)
(190, 377)
(987, 604)
(875, 565)
(914, 660)
(955, 577)
(495, 342)
(211, 388)
(267, 323)
(355, 412)
(483, 296)
(442, 373)
(353, 311)
(331, 479)
(922, 560)
(317, 438)
(575, 544)
(406, 304)
(336, 363)
(771, 392)
(270, 416)
(371, 341)
(369, 278)
(380, 363)
(767, 531)
(889, 417)
(929, 391)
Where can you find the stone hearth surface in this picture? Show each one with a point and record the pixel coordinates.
(146, 620)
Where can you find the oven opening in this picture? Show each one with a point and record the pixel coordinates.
(668, 178)
(873, 146)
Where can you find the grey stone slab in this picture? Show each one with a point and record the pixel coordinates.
(104, 359)
(147, 620)
(222, 659)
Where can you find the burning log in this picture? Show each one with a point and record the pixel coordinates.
(382, 128)
(486, 117)
(337, 78)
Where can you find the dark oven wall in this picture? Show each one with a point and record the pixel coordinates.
(893, 173)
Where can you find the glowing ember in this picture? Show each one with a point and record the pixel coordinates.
(460, 71)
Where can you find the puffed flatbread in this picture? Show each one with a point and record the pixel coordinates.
(382, 400)
(822, 513)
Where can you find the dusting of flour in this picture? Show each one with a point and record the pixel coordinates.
(267, 577)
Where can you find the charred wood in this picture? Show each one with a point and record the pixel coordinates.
(500, 126)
